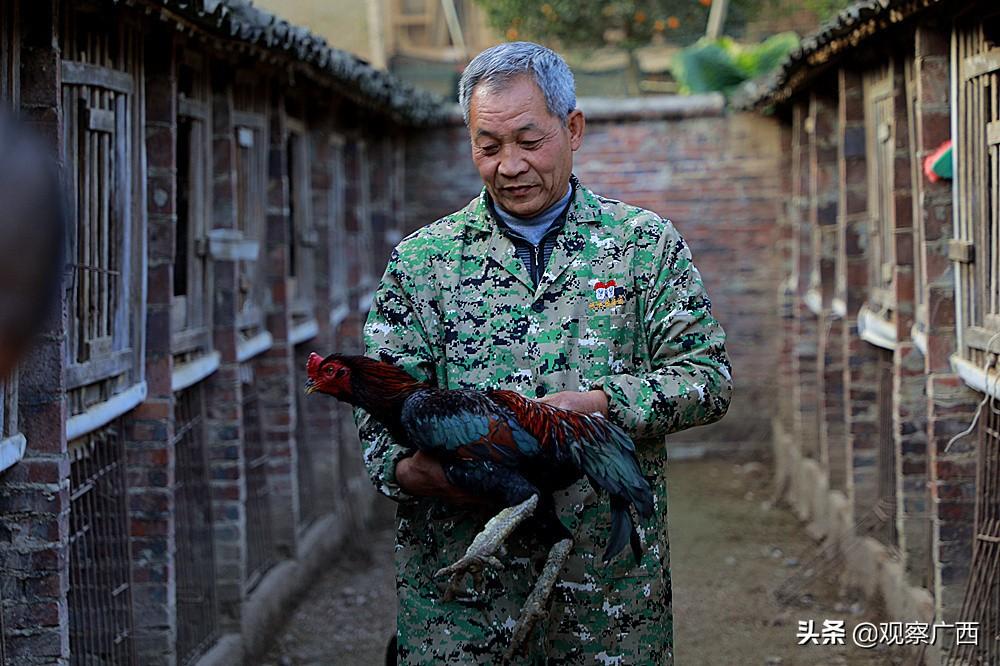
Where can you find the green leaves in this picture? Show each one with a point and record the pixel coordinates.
(628, 24)
(704, 66)
(722, 65)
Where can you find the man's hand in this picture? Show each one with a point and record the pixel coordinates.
(587, 402)
(421, 474)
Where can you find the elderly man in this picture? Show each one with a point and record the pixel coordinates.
(541, 286)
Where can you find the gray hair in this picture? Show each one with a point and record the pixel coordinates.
(499, 64)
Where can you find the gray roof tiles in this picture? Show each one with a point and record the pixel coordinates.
(242, 21)
(858, 22)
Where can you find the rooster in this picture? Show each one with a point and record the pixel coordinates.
(506, 449)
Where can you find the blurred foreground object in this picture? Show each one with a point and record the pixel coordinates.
(939, 165)
(722, 65)
(32, 224)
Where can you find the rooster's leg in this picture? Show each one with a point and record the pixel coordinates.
(536, 606)
(483, 548)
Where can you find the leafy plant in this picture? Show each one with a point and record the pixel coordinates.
(626, 24)
(721, 65)
(825, 9)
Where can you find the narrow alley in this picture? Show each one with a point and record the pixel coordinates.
(233, 193)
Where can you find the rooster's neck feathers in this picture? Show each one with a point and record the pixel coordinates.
(381, 388)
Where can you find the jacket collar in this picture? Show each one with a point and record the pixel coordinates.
(585, 209)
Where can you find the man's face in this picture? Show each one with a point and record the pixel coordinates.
(524, 154)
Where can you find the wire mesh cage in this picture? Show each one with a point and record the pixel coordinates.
(886, 482)
(8, 427)
(981, 604)
(261, 546)
(197, 606)
(100, 585)
(316, 444)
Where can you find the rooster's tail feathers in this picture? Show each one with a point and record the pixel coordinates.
(622, 532)
(609, 462)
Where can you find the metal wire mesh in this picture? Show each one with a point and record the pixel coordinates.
(8, 425)
(197, 609)
(827, 558)
(305, 443)
(886, 450)
(982, 596)
(100, 590)
(3, 634)
(261, 550)
(316, 448)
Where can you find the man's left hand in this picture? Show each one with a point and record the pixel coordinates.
(587, 402)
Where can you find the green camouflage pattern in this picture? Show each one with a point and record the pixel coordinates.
(456, 303)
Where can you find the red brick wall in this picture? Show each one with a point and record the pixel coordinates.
(716, 176)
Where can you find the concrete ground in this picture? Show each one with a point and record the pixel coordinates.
(731, 547)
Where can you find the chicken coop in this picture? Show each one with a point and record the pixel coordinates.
(887, 433)
(231, 182)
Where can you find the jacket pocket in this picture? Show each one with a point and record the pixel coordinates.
(607, 344)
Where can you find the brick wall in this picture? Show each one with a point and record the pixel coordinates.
(34, 494)
(186, 482)
(717, 176)
(891, 323)
(151, 459)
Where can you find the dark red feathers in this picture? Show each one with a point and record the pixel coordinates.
(481, 436)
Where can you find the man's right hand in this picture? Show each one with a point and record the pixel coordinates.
(421, 474)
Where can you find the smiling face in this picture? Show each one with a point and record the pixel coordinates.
(524, 154)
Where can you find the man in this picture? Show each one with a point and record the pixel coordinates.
(542, 287)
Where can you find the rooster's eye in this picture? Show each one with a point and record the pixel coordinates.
(329, 370)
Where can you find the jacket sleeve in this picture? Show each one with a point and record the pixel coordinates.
(687, 376)
(394, 332)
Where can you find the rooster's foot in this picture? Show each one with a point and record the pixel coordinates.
(536, 606)
(481, 552)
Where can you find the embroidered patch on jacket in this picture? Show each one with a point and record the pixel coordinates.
(607, 295)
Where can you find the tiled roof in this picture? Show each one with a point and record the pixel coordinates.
(858, 23)
(241, 21)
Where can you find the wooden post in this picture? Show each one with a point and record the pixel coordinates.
(716, 18)
(376, 35)
(454, 27)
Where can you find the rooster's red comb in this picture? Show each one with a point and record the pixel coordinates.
(312, 365)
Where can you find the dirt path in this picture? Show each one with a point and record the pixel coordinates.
(348, 615)
(730, 548)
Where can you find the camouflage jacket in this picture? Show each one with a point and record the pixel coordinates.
(620, 307)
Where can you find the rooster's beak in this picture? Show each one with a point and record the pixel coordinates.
(310, 386)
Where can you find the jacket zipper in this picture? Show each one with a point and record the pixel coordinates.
(536, 273)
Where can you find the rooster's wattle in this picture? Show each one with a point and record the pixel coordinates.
(507, 449)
